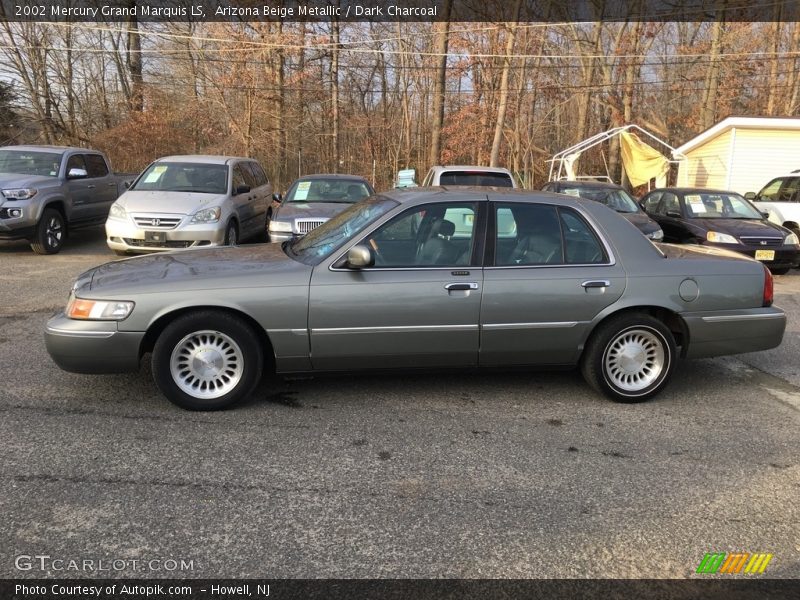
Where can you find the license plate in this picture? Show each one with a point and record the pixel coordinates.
(160, 236)
(765, 254)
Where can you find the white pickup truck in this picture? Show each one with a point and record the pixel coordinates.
(780, 199)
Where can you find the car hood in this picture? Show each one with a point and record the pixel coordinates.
(183, 203)
(15, 180)
(642, 221)
(309, 210)
(197, 269)
(741, 227)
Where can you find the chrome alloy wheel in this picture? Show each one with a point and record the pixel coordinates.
(634, 359)
(54, 232)
(206, 364)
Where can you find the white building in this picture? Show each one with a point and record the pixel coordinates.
(740, 154)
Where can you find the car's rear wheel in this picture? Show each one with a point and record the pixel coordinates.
(780, 271)
(50, 232)
(630, 358)
(207, 360)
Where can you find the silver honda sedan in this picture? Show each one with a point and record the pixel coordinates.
(422, 278)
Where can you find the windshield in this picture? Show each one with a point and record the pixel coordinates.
(333, 190)
(319, 243)
(478, 178)
(619, 200)
(720, 206)
(25, 162)
(184, 177)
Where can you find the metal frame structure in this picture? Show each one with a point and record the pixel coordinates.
(556, 174)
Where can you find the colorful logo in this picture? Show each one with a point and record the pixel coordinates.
(734, 562)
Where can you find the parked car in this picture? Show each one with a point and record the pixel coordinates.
(312, 200)
(190, 201)
(469, 175)
(724, 220)
(612, 195)
(46, 191)
(780, 199)
(384, 285)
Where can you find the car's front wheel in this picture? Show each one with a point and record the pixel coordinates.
(630, 358)
(50, 232)
(207, 360)
(231, 234)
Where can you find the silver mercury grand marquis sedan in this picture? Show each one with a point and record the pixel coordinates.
(422, 278)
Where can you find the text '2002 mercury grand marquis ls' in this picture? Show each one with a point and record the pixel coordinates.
(424, 277)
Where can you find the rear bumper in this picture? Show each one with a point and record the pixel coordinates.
(91, 346)
(721, 333)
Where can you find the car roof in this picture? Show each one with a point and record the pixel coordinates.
(46, 147)
(210, 159)
(474, 168)
(693, 190)
(342, 176)
(588, 184)
(448, 193)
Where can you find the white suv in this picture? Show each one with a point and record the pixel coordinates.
(469, 175)
(780, 198)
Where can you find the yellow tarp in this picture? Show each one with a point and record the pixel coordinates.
(643, 162)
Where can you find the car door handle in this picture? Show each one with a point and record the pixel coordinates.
(597, 283)
(452, 287)
(112, 184)
(90, 187)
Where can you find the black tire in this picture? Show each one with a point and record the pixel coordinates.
(231, 234)
(50, 232)
(780, 271)
(229, 350)
(120, 253)
(654, 346)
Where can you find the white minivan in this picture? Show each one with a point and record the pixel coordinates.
(469, 175)
(190, 201)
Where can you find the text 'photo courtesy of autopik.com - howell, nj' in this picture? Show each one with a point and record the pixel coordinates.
(420, 299)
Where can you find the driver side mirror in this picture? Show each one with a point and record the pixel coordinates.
(360, 257)
(77, 173)
(750, 196)
(277, 197)
(764, 213)
(242, 189)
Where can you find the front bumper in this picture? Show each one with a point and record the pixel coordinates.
(720, 333)
(92, 346)
(125, 236)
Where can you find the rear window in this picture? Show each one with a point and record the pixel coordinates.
(478, 178)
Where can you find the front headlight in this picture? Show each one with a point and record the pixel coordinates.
(99, 310)
(117, 212)
(280, 226)
(656, 235)
(19, 193)
(791, 240)
(207, 215)
(721, 238)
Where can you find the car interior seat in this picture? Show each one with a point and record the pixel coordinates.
(355, 192)
(539, 243)
(438, 249)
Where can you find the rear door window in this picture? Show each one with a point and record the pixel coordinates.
(96, 165)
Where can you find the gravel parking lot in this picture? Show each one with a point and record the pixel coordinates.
(493, 475)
